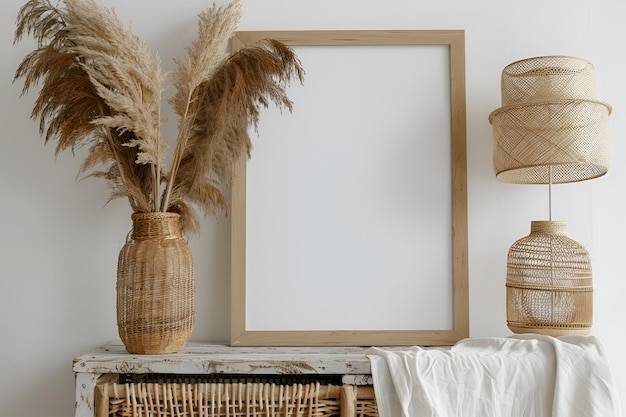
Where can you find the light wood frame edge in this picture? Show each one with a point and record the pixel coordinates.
(239, 336)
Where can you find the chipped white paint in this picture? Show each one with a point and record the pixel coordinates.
(112, 358)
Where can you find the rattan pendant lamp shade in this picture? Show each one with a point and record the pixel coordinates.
(550, 117)
(550, 129)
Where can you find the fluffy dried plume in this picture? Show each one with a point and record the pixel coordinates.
(101, 87)
(68, 103)
(223, 107)
(125, 76)
(206, 53)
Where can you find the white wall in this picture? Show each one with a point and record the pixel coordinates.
(58, 244)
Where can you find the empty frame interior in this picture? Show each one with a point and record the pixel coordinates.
(349, 222)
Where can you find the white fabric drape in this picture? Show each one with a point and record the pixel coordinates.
(518, 376)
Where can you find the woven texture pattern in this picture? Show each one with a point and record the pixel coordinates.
(155, 286)
(225, 399)
(546, 78)
(549, 283)
(550, 117)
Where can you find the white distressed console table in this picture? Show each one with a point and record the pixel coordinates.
(110, 360)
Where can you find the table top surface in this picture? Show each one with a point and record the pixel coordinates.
(207, 358)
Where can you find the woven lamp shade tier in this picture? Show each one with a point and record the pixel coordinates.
(155, 286)
(549, 283)
(550, 117)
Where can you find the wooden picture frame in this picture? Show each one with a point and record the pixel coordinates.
(242, 334)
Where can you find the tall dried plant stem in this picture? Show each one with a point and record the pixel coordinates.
(181, 143)
(117, 158)
(215, 27)
(155, 186)
(156, 171)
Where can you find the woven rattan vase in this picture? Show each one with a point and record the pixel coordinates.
(155, 286)
(549, 283)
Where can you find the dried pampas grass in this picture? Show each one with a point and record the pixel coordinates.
(101, 87)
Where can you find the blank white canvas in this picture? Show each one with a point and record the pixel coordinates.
(348, 197)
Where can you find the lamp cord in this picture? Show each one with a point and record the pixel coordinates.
(553, 301)
(550, 192)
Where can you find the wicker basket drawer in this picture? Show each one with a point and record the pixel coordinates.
(233, 400)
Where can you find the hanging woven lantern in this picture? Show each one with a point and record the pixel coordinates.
(549, 283)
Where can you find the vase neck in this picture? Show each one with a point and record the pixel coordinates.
(155, 225)
(548, 227)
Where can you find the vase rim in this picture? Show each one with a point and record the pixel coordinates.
(154, 215)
